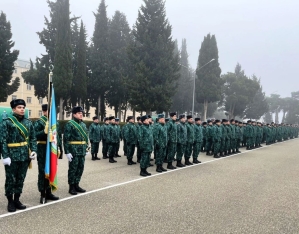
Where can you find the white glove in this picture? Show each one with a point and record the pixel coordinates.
(32, 155)
(69, 157)
(87, 153)
(6, 161)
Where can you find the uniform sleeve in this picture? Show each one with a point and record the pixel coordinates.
(91, 130)
(66, 138)
(5, 153)
(32, 138)
(39, 129)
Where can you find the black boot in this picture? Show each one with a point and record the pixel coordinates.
(221, 154)
(234, 151)
(50, 195)
(96, 157)
(179, 163)
(159, 168)
(92, 157)
(216, 156)
(111, 159)
(238, 151)
(162, 168)
(79, 189)
(72, 190)
(11, 205)
(130, 162)
(17, 202)
(142, 172)
(170, 166)
(195, 161)
(43, 199)
(149, 174)
(105, 157)
(187, 162)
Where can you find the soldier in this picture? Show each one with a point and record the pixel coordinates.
(204, 137)
(223, 152)
(112, 139)
(95, 138)
(209, 138)
(119, 138)
(190, 140)
(146, 141)
(139, 124)
(123, 129)
(239, 135)
(172, 140)
(75, 141)
(182, 140)
(217, 138)
(151, 126)
(104, 132)
(160, 142)
(130, 134)
(248, 133)
(197, 140)
(232, 149)
(18, 138)
(41, 132)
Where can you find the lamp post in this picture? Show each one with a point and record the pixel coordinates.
(194, 82)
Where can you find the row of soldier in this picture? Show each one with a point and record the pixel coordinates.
(172, 140)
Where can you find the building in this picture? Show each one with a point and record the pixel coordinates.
(33, 104)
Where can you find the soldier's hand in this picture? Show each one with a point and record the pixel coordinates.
(32, 155)
(69, 157)
(6, 161)
(46, 128)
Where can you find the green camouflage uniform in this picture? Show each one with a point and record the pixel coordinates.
(209, 138)
(104, 132)
(182, 140)
(198, 139)
(233, 137)
(223, 139)
(248, 133)
(160, 142)
(217, 139)
(172, 140)
(78, 151)
(112, 139)
(119, 139)
(138, 148)
(94, 137)
(204, 138)
(124, 138)
(190, 139)
(130, 134)
(239, 137)
(16, 172)
(228, 138)
(146, 142)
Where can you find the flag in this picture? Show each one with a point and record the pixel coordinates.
(51, 154)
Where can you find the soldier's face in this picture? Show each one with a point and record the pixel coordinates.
(174, 117)
(19, 110)
(190, 120)
(131, 120)
(112, 121)
(198, 122)
(78, 115)
(162, 120)
(183, 120)
(145, 122)
(45, 113)
(96, 121)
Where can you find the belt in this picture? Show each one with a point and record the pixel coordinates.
(42, 142)
(77, 142)
(11, 145)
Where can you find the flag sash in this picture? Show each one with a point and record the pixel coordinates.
(82, 132)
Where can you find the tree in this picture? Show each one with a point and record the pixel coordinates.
(208, 82)
(268, 118)
(275, 105)
(156, 68)
(182, 100)
(79, 85)
(121, 67)
(100, 61)
(62, 74)
(292, 117)
(238, 91)
(7, 59)
(259, 105)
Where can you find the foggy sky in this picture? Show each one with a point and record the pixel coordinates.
(262, 35)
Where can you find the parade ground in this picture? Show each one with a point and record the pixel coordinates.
(256, 191)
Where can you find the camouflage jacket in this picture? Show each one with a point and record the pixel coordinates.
(239, 134)
(112, 134)
(210, 132)
(11, 134)
(224, 132)
(104, 132)
(190, 133)
(145, 138)
(71, 133)
(130, 133)
(204, 133)
(95, 132)
(172, 131)
(160, 135)
(248, 131)
(232, 131)
(217, 133)
(182, 133)
(198, 137)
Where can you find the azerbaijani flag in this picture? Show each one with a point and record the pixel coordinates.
(51, 155)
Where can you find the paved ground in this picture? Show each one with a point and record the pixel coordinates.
(253, 192)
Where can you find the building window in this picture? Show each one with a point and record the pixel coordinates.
(40, 113)
(29, 100)
(28, 86)
(29, 113)
(40, 100)
(13, 97)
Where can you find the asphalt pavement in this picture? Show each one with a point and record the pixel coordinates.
(252, 192)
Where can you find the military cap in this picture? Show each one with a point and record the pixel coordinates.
(232, 120)
(44, 107)
(149, 116)
(204, 123)
(116, 119)
(142, 118)
(105, 119)
(182, 116)
(189, 117)
(160, 116)
(236, 121)
(111, 117)
(224, 120)
(77, 109)
(248, 121)
(209, 121)
(130, 117)
(95, 117)
(166, 119)
(138, 118)
(197, 118)
(172, 114)
(17, 102)
(217, 121)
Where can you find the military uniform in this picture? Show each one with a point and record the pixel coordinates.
(123, 129)
(223, 149)
(112, 139)
(139, 124)
(182, 140)
(209, 138)
(75, 139)
(217, 138)
(204, 136)
(130, 134)
(248, 133)
(104, 132)
(41, 137)
(119, 137)
(197, 140)
(190, 140)
(172, 140)
(18, 137)
(95, 138)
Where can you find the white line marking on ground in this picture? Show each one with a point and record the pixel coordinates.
(129, 182)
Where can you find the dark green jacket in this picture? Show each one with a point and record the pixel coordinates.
(190, 133)
(95, 132)
(112, 134)
(145, 138)
(198, 137)
(182, 133)
(172, 131)
(130, 133)
(160, 135)
(217, 133)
